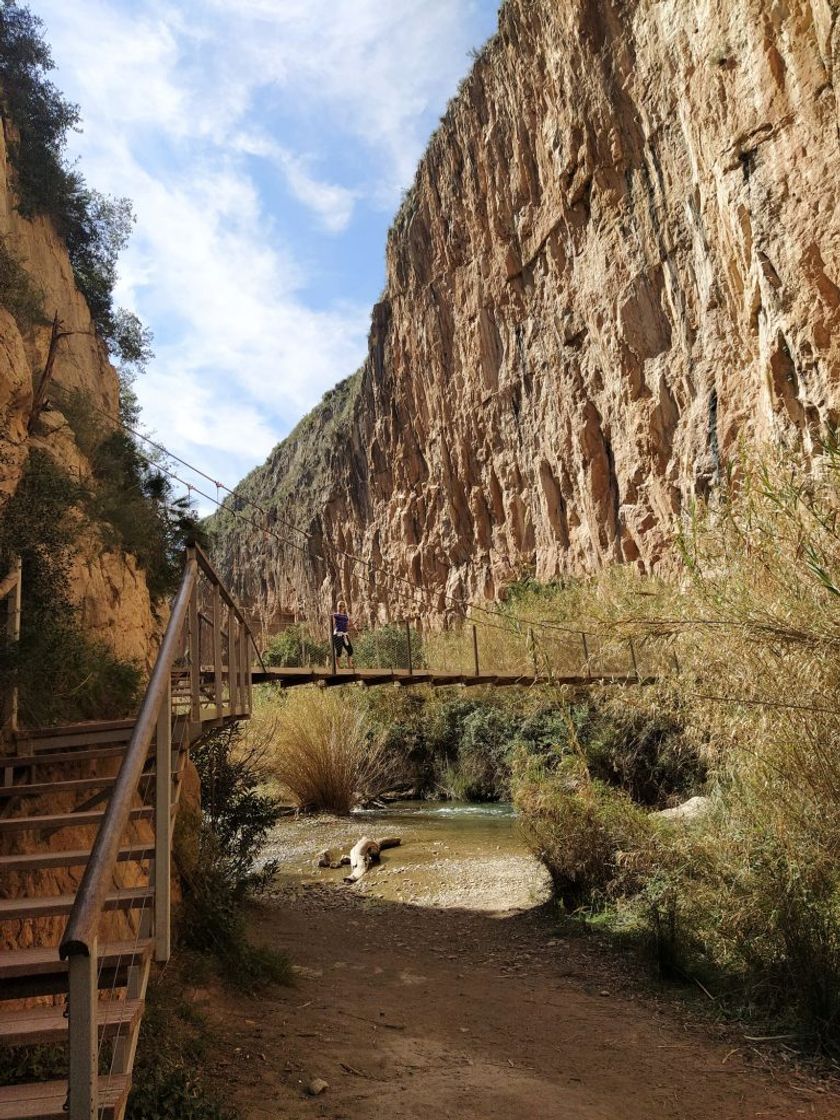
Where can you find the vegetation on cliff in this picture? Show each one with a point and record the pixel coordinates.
(94, 228)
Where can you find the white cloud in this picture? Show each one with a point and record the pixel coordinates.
(332, 204)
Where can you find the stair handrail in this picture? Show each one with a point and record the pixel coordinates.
(80, 934)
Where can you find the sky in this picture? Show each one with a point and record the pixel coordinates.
(265, 145)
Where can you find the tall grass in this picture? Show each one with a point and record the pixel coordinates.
(753, 622)
(324, 750)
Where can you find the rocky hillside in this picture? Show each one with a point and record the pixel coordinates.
(619, 261)
(109, 588)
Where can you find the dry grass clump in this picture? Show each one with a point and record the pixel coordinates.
(324, 750)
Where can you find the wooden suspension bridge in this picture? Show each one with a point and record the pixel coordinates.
(103, 797)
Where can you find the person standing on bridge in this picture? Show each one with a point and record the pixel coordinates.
(341, 633)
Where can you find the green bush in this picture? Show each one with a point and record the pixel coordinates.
(131, 501)
(62, 674)
(172, 1057)
(585, 832)
(217, 856)
(387, 648)
(295, 647)
(481, 770)
(95, 228)
(19, 293)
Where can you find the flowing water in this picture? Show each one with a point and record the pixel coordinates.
(451, 855)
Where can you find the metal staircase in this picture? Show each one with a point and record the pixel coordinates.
(86, 821)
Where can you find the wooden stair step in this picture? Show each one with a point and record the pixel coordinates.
(82, 727)
(129, 898)
(73, 740)
(42, 1026)
(65, 820)
(46, 1100)
(44, 961)
(78, 857)
(63, 785)
(60, 758)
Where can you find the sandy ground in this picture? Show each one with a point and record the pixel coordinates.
(426, 1011)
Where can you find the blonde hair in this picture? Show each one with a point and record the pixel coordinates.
(341, 604)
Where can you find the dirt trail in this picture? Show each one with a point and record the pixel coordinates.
(411, 1012)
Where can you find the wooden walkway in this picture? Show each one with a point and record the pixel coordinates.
(289, 678)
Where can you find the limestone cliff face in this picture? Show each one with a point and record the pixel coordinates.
(110, 589)
(621, 257)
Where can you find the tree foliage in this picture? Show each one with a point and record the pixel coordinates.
(94, 227)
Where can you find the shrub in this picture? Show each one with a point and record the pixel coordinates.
(95, 228)
(481, 771)
(325, 751)
(169, 1080)
(387, 648)
(582, 830)
(295, 646)
(85, 679)
(131, 501)
(19, 293)
(217, 857)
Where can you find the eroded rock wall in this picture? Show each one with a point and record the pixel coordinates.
(110, 589)
(620, 258)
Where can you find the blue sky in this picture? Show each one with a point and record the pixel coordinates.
(265, 144)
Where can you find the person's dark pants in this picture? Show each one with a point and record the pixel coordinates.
(342, 644)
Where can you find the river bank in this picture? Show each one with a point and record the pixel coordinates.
(433, 990)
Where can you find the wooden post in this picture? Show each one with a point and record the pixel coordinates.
(195, 654)
(83, 998)
(677, 663)
(586, 655)
(233, 662)
(332, 651)
(408, 646)
(633, 656)
(218, 686)
(163, 829)
(475, 648)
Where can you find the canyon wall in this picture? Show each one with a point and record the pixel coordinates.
(619, 261)
(109, 588)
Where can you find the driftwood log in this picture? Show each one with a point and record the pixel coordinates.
(362, 857)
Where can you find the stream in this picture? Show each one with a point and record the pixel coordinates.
(452, 855)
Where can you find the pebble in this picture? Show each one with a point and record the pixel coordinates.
(317, 1086)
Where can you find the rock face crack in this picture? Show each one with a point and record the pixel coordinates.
(620, 257)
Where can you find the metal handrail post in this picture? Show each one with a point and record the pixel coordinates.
(233, 662)
(245, 670)
(83, 998)
(163, 829)
(195, 648)
(475, 648)
(218, 687)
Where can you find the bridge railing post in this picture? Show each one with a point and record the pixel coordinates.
(333, 662)
(475, 649)
(586, 662)
(633, 658)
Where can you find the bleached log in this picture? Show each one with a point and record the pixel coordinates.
(366, 853)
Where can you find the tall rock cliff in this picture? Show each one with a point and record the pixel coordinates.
(108, 586)
(620, 259)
